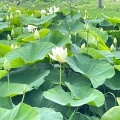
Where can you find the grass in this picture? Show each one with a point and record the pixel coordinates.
(110, 8)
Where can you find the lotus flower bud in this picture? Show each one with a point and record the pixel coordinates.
(59, 54)
(16, 46)
(32, 14)
(112, 48)
(11, 16)
(12, 32)
(6, 65)
(33, 5)
(83, 46)
(86, 26)
(75, 33)
(7, 18)
(9, 8)
(101, 30)
(70, 36)
(115, 41)
(8, 37)
(36, 34)
(86, 12)
(85, 17)
(12, 47)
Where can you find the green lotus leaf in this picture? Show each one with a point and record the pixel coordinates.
(80, 116)
(81, 92)
(31, 20)
(4, 49)
(92, 52)
(102, 34)
(50, 114)
(112, 114)
(58, 95)
(29, 38)
(20, 112)
(94, 21)
(2, 73)
(6, 102)
(114, 20)
(90, 39)
(14, 89)
(96, 70)
(71, 25)
(31, 77)
(31, 53)
(118, 100)
(57, 38)
(3, 25)
(114, 83)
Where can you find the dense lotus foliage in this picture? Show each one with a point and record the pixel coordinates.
(57, 66)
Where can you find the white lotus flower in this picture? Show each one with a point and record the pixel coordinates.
(56, 9)
(50, 10)
(53, 10)
(31, 28)
(59, 54)
(43, 11)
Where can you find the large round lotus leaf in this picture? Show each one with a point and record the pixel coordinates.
(28, 20)
(112, 114)
(31, 77)
(50, 114)
(71, 25)
(57, 38)
(96, 70)
(3, 25)
(14, 89)
(79, 116)
(82, 92)
(114, 83)
(20, 112)
(31, 53)
(58, 95)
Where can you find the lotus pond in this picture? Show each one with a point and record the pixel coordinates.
(57, 65)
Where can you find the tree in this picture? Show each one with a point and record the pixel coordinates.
(99, 3)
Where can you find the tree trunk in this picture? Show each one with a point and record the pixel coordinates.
(99, 3)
